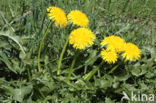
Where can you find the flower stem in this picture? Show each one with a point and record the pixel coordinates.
(61, 57)
(91, 73)
(28, 73)
(111, 71)
(40, 48)
(72, 65)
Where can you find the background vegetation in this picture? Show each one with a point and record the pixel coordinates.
(22, 25)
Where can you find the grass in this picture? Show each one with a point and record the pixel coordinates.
(22, 26)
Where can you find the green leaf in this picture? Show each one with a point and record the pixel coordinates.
(108, 100)
(16, 39)
(18, 94)
(5, 59)
(103, 83)
(92, 57)
(136, 70)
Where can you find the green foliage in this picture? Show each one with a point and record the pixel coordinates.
(22, 26)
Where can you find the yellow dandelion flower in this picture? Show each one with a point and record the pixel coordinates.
(78, 18)
(81, 38)
(58, 15)
(131, 52)
(114, 42)
(109, 56)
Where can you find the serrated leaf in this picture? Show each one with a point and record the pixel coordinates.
(5, 59)
(18, 94)
(16, 39)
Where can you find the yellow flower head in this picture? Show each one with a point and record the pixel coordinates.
(109, 56)
(131, 52)
(78, 18)
(114, 43)
(81, 38)
(58, 15)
